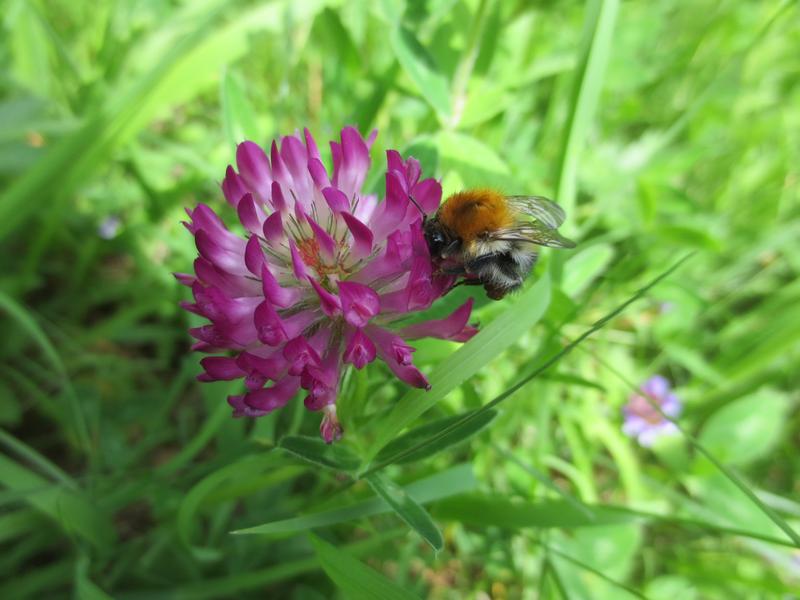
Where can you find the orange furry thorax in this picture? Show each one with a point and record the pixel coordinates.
(470, 213)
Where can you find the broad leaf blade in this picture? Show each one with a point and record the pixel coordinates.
(353, 577)
(407, 509)
(457, 480)
(468, 360)
(317, 452)
(405, 448)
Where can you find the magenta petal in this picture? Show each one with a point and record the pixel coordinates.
(298, 266)
(322, 381)
(268, 399)
(233, 187)
(336, 200)
(330, 429)
(326, 243)
(428, 195)
(318, 173)
(362, 236)
(250, 215)
(360, 350)
(278, 201)
(254, 256)
(273, 228)
(410, 375)
(269, 325)
(274, 292)
(185, 279)
(269, 367)
(355, 162)
(449, 328)
(311, 145)
(359, 302)
(254, 167)
(240, 409)
(219, 368)
(299, 353)
(328, 302)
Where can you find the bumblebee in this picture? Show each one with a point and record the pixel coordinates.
(490, 239)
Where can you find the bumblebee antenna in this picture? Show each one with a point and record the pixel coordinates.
(419, 208)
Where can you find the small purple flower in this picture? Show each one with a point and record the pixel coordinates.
(642, 420)
(321, 278)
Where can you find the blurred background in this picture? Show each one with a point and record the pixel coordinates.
(662, 127)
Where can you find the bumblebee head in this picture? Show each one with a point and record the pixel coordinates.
(440, 241)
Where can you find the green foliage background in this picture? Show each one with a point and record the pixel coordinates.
(662, 127)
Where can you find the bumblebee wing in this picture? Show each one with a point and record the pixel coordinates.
(533, 233)
(545, 211)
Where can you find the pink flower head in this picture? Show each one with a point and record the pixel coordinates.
(321, 277)
(642, 420)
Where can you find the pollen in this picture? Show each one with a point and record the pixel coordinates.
(473, 212)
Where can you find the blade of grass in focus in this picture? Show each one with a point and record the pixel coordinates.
(465, 362)
(434, 439)
(355, 578)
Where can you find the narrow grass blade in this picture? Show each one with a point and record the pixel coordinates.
(418, 434)
(464, 363)
(353, 577)
(71, 509)
(499, 511)
(27, 322)
(315, 451)
(407, 509)
(419, 66)
(456, 480)
(600, 574)
(545, 481)
(594, 54)
(435, 438)
(726, 471)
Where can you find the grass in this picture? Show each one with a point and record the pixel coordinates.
(663, 128)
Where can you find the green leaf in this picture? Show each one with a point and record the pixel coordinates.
(594, 55)
(747, 429)
(456, 480)
(500, 511)
(68, 507)
(476, 163)
(544, 366)
(466, 361)
(315, 451)
(407, 509)
(402, 450)
(25, 320)
(419, 66)
(238, 114)
(584, 267)
(353, 577)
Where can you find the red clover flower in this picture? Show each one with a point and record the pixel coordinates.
(321, 278)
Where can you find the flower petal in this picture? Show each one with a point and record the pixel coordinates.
(453, 327)
(275, 293)
(359, 302)
(362, 236)
(268, 399)
(298, 266)
(269, 325)
(328, 302)
(254, 168)
(360, 350)
(336, 199)
(233, 187)
(254, 255)
(250, 214)
(326, 243)
(220, 368)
